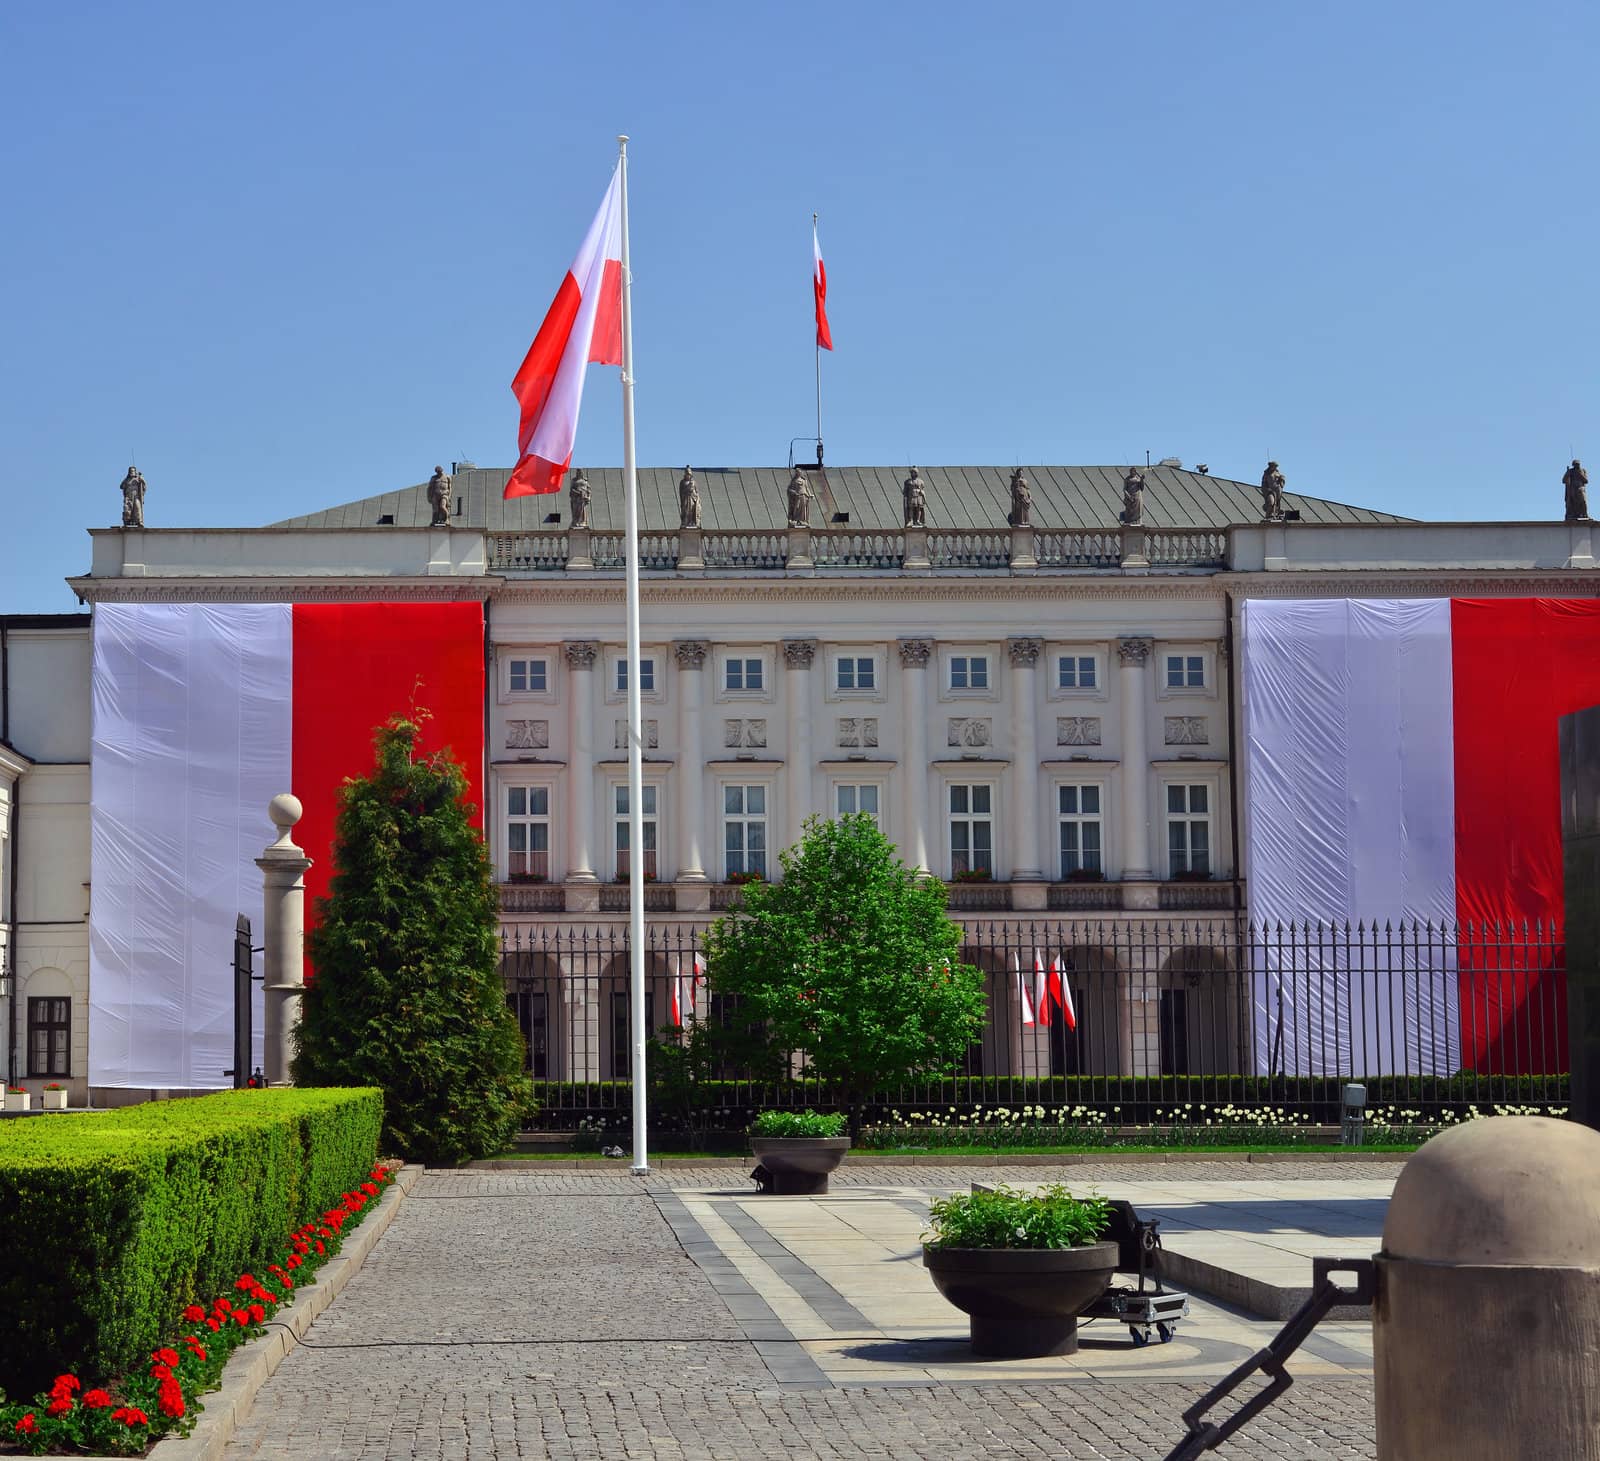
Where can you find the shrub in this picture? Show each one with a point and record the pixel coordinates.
(115, 1220)
(797, 1123)
(1006, 1218)
(408, 994)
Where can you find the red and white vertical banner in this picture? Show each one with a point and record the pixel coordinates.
(202, 713)
(1022, 989)
(1041, 990)
(819, 288)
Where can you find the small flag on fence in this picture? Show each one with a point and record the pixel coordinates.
(1041, 991)
(677, 992)
(1061, 994)
(1022, 989)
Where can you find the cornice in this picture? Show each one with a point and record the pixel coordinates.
(858, 590)
(280, 590)
(1420, 583)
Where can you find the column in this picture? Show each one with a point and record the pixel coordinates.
(1135, 657)
(1026, 865)
(797, 657)
(283, 908)
(580, 761)
(690, 810)
(914, 656)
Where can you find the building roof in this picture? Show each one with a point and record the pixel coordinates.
(748, 498)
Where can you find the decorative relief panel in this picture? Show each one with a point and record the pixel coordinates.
(652, 741)
(1187, 730)
(858, 731)
(527, 735)
(745, 734)
(1077, 730)
(969, 731)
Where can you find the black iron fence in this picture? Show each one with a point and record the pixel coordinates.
(1130, 1019)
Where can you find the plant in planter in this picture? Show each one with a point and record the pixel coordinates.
(54, 1097)
(17, 1099)
(1022, 1266)
(740, 879)
(797, 1150)
(972, 875)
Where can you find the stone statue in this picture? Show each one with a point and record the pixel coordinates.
(1576, 481)
(439, 498)
(688, 500)
(133, 499)
(800, 495)
(1133, 498)
(1021, 500)
(578, 492)
(916, 501)
(1272, 484)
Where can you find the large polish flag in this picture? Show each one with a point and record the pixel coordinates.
(583, 325)
(1402, 766)
(202, 713)
(819, 287)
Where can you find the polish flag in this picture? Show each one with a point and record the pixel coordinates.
(1061, 994)
(1041, 990)
(583, 325)
(819, 283)
(202, 713)
(677, 992)
(1022, 989)
(1402, 765)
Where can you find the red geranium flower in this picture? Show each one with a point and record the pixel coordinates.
(213, 1325)
(319, 1245)
(164, 1356)
(370, 1188)
(27, 1425)
(170, 1400)
(59, 1406)
(258, 1313)
(245, 1281)
(222, 1306)
(295, 1261)
(241, 1317)
(96, 1400)
(130, 1415)
(66, 1384)
(194, 1313)
(160, 1372)
(196, 1351)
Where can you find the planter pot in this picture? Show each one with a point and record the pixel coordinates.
(53, 1100)
(1022, 1302)
(19, 1101)
(799, 1164)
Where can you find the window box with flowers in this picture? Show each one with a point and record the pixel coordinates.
(740, 879)
(18, 1099)
(53, 1097)
(972, 875)
(527, 878)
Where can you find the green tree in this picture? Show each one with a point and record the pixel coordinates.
(406, 991)
(849, 961)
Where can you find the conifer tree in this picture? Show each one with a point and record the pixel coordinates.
(406, 992)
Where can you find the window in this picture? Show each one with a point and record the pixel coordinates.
(971, 830)
(855, 797)
(744, 830)
(854, 672)
(528, 834)
(49, 1036)
(528, 676)
(1186, 671)
(742, 674)
(647, 803)
(969, 672)
(1078, 814)
(1076, 672)
(647, 675)
(1188, 831)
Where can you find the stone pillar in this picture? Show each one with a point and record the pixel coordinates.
(283, 922)
(1135, 657)
(797, 657)
(914, 656)
(580, 761)
(1580, 836)
(690, 811)
(580, 558)
(916, 554)
(1026, 864)
(1022, 554)
(799, 559)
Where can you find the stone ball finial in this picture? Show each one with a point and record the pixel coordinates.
(285, 810)
(1503, 1190)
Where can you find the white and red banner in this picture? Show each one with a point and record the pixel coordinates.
(202, 714)
(819, 287)
(1401, 766)
(583, 326)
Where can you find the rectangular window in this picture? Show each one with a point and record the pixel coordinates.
(744, 829)
(529, 676)
(969, 672)
(49, 1036)
(1186, 671)
(858, 797)
(1188, 831)
(971, 830)
(528, 834)
(624, 827)
(1078, 814)
(647, 675)
(855, 672)
(742, 674)
(1075, 672)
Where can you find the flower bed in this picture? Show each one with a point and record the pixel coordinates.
(123, 1417)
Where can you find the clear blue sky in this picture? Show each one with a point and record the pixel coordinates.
(290, 255)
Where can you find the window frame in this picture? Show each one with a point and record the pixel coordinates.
(619, 823)
(855, 658)
(505, 658)
(1188, 819)
(616, 667)
(746, 819)
(37, 1025)
(508, 819)
(1055, 690)
(727, 657)
(971, 818)
(1101, 787)
(858, 784)
(1206, 689)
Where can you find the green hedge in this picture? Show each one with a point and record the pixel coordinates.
(111, 1222)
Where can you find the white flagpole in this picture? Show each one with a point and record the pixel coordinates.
(818, 342)
(630, 474)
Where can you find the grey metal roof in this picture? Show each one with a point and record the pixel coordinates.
(735, 498)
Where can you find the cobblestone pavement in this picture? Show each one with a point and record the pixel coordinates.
(558, 1315)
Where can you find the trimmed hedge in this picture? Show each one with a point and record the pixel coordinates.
(114, 1221)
